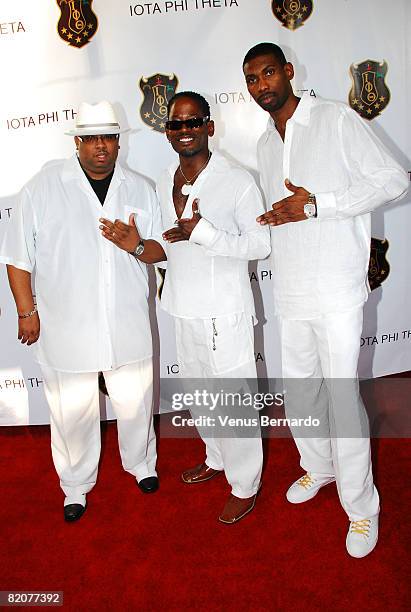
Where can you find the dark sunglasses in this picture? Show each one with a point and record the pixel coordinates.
(195, 122)
(92, 139)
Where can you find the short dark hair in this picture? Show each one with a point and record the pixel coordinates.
(265, 48)
(204, 105)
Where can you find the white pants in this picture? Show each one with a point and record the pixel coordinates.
(324, 350)
(73, 399)
(241, 458)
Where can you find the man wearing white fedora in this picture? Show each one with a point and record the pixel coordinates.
(91, 301)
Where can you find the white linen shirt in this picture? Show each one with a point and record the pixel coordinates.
(207, 276)
(91, 296)
(320, 265)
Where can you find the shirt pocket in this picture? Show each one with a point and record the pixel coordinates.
(142, 219)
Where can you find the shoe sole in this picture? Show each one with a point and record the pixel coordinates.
(148, 491)
(244, 513)
(202, 479)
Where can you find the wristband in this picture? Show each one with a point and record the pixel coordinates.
(28, 314)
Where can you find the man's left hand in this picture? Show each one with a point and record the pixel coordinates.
(184, 226)
(289, 209)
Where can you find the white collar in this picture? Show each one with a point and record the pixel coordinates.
(301, 114)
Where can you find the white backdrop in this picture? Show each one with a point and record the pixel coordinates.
(202, 43)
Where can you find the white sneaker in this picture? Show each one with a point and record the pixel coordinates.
(307, 487)
(362, 537)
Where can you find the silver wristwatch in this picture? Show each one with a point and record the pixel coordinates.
(310, 209)
(139, 250)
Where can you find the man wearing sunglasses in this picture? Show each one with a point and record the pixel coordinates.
(208, 207)
(91, 300)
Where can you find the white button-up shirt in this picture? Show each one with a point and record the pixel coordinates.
(320, 265)
(207, 276)
(91, 296)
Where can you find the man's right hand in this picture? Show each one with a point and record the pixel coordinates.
(287, 210)
(184, 227)
(124, 236)
(29, 329)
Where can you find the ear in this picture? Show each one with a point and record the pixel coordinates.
(289, 70)
(77, 141)
(210, 128)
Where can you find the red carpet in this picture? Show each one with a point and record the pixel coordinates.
(168, 552)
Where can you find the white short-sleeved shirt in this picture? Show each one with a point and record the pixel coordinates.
(320, 265)
(207, 276)
(91, 296)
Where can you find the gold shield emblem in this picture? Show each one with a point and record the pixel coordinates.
(292, 13)
(369, 93)
(157, 91)
(77, 23)
(379, 268)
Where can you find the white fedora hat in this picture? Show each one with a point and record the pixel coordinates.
(96, 119)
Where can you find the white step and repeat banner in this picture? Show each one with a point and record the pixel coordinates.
(58, 53)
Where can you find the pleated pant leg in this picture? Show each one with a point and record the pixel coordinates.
(322, 356)
(73, 399)
(130, 388)
(240, 457)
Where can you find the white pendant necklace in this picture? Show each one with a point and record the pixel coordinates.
(186, 188)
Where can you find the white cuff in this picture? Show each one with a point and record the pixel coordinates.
(16, 263)
(203, 233)
(326, 205)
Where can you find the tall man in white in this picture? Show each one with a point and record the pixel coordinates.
(323, 171)
(91, 302)
(211, 204)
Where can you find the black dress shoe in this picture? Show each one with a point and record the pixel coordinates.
(72, 512)
(148, 485)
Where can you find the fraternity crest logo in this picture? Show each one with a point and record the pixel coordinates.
(379, 268)
(369, 94)
(292, 13)
(157, 91)
(77, 23)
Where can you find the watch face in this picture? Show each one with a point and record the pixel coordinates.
(139, 249)
(309, 210)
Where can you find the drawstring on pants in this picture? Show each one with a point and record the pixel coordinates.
(215, 333)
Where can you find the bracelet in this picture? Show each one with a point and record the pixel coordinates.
(28, 314)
